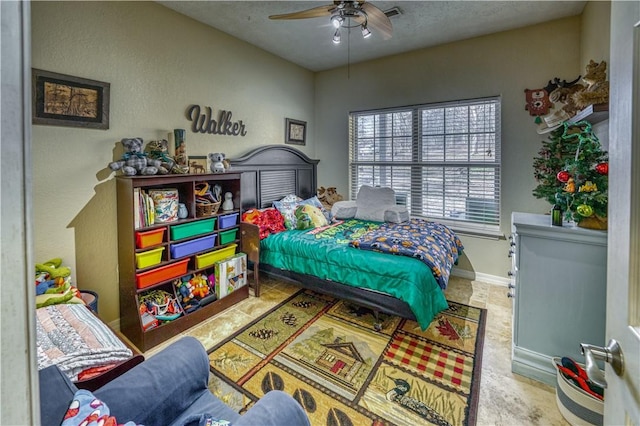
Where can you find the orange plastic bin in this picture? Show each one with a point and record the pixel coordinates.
(163, 273)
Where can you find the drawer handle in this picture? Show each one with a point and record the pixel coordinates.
(511, 253)
(510, 295)
(510, 273)
(511, 286)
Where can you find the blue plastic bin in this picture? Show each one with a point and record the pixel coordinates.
(228, 220)
(189, 247)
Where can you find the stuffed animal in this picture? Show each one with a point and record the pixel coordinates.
(328, 196)
(217, 162)
(564, 97)
(53, 268)
(159, 150)
(200, 286)
(597, 91)
(134, 161)
(537, 102)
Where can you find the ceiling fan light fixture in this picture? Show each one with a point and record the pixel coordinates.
(336, 36)
(365, 31)
(336, 21)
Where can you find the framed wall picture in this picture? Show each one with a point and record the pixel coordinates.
(198, 164)
(65, 100)
(295, 131)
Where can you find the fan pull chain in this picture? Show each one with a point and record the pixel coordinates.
(349, 51)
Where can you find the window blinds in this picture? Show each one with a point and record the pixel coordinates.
(442, 160)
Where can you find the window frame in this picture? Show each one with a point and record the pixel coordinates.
(418, 165)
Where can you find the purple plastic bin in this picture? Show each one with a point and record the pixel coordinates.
(228, 220)
(189, 247)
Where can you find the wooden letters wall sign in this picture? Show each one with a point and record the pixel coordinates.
(204, 122)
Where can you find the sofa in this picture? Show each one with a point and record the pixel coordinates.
(169, 388)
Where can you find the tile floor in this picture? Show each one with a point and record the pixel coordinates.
(505, 398)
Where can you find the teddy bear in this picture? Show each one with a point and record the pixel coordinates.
(597, 90)
(537, 102)
(217, 162)
(328, 196)
(159, 150)
(135, 161)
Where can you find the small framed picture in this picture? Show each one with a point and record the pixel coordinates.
(198, 164)
(65, 100)
(295, 131)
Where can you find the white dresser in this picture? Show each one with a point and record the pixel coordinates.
(559, 289)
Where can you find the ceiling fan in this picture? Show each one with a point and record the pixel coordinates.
(347, 14)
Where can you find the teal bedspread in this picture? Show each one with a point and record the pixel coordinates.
(326, 254)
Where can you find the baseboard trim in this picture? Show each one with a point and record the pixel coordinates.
(479, 276)
(533, 365)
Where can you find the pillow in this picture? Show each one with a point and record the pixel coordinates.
(396, 214)
(86, 409)
(269, 220)
(344, 209)
(372, 202)
(314, 201)
(287, 207)
(308, 216)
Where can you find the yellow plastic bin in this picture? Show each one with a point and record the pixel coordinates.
(149, 258)
(208, 259)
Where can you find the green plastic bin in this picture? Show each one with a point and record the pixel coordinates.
(228, 236)
(192, 229)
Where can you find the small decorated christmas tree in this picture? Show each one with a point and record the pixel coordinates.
(572, 172)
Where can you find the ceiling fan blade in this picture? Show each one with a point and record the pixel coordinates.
(377, 20)
(316, 12)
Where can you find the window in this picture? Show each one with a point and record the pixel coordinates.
(443, 160)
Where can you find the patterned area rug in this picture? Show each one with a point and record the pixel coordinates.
(328, 356)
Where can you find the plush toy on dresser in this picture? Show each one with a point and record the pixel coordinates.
(135, 161)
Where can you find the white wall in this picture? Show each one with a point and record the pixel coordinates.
(158, 62)
(499, 64)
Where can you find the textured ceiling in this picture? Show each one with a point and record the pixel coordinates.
(307, 42)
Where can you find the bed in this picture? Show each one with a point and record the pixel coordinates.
(323, 260)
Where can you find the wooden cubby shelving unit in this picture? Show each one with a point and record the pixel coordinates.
(130, 321)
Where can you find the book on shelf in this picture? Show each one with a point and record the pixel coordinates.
(136, 208)
(144, 209)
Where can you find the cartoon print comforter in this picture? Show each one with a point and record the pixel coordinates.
(433, 243)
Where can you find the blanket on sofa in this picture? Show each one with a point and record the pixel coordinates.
(74, 339)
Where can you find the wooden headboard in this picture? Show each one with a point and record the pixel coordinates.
(272, 171)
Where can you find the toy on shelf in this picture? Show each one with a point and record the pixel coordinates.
(597, 90)
(134, 161)
(159, 150)
(161, 304)
(217, 162)
(194, 291)
(208, 199)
